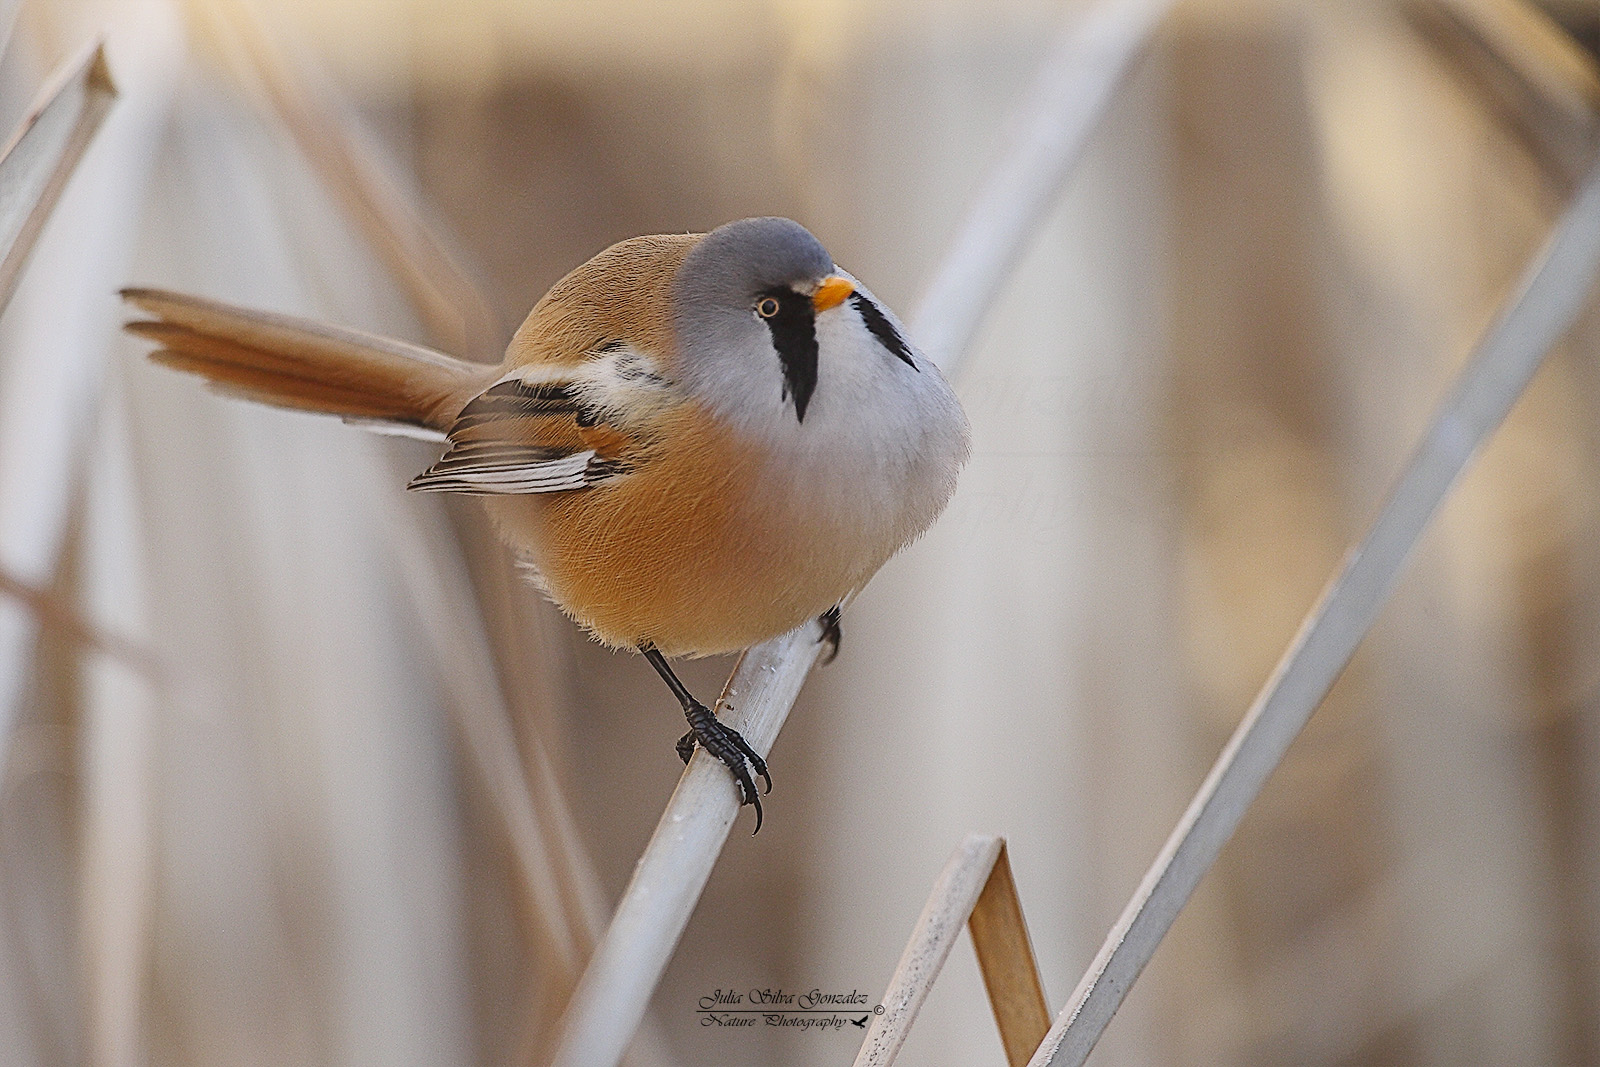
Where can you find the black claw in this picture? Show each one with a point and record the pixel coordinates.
(720, 740)
(830, 634)
(756, 762)
(729, 746)
(737, 755)
(747, 792)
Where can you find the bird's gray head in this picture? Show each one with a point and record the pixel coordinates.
(853, 425)
(746, 301)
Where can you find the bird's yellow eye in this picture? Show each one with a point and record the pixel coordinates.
(767, 308)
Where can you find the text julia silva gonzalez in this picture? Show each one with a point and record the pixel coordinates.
(812, 1010)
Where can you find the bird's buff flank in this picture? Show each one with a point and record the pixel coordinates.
(698, 441)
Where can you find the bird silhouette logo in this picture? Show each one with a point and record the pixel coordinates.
(861, 1022)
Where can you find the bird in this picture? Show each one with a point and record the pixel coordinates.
(695, 441)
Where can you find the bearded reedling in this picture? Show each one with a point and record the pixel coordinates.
(698, 441)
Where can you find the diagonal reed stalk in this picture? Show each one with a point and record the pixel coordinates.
(1061, 109)
(1070, 93)
(1542, 309)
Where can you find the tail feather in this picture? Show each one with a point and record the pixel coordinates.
(306, 365)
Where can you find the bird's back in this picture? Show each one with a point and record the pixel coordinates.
(622, 294)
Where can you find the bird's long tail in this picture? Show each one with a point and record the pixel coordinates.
(310, 366)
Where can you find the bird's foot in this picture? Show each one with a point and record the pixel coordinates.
(729, 746)
(829, 620)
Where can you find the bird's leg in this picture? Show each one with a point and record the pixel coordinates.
(722, 741)
(830, 634)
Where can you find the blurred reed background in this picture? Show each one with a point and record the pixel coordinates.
(336, 787)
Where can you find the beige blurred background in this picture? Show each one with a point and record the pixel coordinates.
(344, 791)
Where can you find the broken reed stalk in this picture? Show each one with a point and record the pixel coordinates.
(975, 889)
(43, 153)
(1067, 99)
(954, 894)
(1540, 311)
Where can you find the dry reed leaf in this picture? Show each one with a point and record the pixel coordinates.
(42, 154)
(1007, 961)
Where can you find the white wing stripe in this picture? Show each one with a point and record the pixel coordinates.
(553, 475)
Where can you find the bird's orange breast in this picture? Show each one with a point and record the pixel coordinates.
(696, 552)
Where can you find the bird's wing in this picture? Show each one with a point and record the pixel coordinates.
(551, 429)
(490, 467)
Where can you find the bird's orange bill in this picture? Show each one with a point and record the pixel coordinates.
(832, 292)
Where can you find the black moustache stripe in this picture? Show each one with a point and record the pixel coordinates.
(883, 329)
(794, 335)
